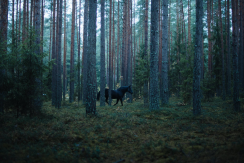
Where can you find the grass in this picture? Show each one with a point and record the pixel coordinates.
(125, 134)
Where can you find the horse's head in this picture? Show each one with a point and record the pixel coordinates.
(130, 90)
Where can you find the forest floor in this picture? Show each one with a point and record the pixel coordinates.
(126, 134)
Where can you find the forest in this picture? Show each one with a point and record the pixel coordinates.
(122, 81)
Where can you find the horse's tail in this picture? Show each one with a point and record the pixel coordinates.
(98, 96)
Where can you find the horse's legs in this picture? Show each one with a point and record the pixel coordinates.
(121, 101)
(117, 101)
(106, 100)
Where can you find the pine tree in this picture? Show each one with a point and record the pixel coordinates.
(164, 77)
(228, 51)
(102, 59)
(154, 89)
(124, 45)
(236, 99)
(209, 38)
(54, 57)
(222, 50)
(91, 73)
(59, 83)
(42, 22)
(197, 59)
(79, 86)
(3, 51)
(71, 95)
(241, 47)
(145, 87)
(38, 99)
(110, 54)
(65, 47)
(118, 44)
(85, 52)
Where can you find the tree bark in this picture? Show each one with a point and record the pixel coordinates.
(123, 66)
(50, 41)
(65, 50)
(145, 87)
(164, 76)
(3, 41)
(102, 58)
(209, 38)
(236, 98)
(222, 51)
(71, 96)
(110, 54)
(85, 51)
(24, 22)
(189, 22)
(241, 47)
(228, 51)
(154, 89)
(38, 99)
(54, 57)
(160, 40)
(79, 86)
(59, 83)
(91, 73)
(197, 59)
(118, 45)
(19, 20)
(13, 22)
(42, 25)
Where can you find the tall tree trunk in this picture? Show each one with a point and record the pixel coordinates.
(110, 54)
(164, 76)
(91, 73)
(222, 51)
(50, 41)
(79, 87)
(113, 52)
(228, 51)
(42, 25)
(54, 57)
(154, 89)
(3, 41)
(123, 58)
(85, 51)
(17, 14)
(118, 45)
(189, 22)
(241, 47)
(12, 22)
(19, 20)
(59, 83)
(129, 54)
(197, 58)
(169, 63)
(24, 22)
(27, 18)
(71, 96)
(177, 46)
(236, 98)
(31, 13)
(145, 87)
(102, 58)
(209, 38)
(57, 50)
(65, 50)
(160, 40)
(37, 101)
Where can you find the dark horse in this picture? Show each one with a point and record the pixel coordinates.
(117, 94)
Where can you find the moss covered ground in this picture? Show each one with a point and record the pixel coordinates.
(125, 134)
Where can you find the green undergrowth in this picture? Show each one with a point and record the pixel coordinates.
(129, 133)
